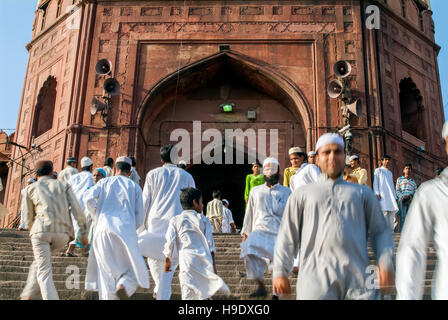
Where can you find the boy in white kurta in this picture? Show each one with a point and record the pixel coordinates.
(427, 220)
(384, 188)
(261, 223)
(186, 235)
(228, 225)
(161, 202)
(80, 183)
(116, 266)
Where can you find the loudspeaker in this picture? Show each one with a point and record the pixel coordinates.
(335, 88)
(342, 69)
(103, 67)
(96, 105)
(355, 107)
(111, 87)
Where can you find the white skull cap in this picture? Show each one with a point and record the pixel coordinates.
(124, 159)
(329, 138)
(85, 162)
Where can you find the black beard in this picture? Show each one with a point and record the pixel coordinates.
(272, 180)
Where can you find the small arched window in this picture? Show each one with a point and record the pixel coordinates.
(411, 107)
(44, 111)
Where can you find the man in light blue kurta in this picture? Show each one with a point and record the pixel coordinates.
(329, 222)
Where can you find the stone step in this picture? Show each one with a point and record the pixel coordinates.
(238, 280)
(224, 271)
(12, 291)
(83, 265)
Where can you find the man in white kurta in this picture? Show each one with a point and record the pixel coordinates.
(329, 221)
(116, 266)
(307, 175)
(261, 223)
(161, 202)
(228, 225)
(134, 174)
(80, 183)
(384, 188)
(186, 234)
(426, 221)
(69, 171)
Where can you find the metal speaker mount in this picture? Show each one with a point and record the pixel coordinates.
(355, 107)
(96, 105)
(111, 87)
(335, 88)
(342, 69)
(103, 67)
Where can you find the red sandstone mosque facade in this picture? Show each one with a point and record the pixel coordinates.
(177, 61)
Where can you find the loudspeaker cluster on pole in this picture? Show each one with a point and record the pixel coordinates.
(340, 89)
(111, 87)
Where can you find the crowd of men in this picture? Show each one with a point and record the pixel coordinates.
(316, 225)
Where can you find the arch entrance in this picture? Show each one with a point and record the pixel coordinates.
(185, 109)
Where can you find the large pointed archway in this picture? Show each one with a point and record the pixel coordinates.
(194, 94)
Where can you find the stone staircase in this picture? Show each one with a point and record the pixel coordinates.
(16, 256)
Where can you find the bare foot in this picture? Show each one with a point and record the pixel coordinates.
(121, 293)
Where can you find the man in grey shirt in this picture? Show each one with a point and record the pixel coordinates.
(329, 222)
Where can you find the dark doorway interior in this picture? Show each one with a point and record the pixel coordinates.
(230, 179)
(4, 176)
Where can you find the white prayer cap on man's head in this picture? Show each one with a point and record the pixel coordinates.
(329, 138)
(86, 162)
(445, 131)
(311, 153)
(355, 157)
(225, 201)
(268, 168)
(182, 162)
(31, 180)
(124, 159)
(295, 150)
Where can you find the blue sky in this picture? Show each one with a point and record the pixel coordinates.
(16, 18)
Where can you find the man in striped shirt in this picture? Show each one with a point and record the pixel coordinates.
(405, 188)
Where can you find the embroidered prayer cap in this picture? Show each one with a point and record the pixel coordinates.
(355, 157)
(295, 150)
(445, 131)
(225, 201)
(124, 159)
(311, 153)
(329, 138)
(86, 162)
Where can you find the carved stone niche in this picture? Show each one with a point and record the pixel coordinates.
(251, 11)
(151, 11)
(200, 11)
(328, 11)
(302, 11)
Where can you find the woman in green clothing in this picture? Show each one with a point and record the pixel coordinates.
(253, 180)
